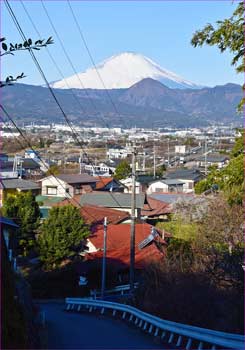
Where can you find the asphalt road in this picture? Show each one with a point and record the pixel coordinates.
(71, 330)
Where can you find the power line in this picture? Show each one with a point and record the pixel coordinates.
(41, 160)
(48, 85)
(93, 62)
(70, 61)
(52, 59)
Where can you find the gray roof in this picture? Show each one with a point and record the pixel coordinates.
(173, 198)
(171, 182)
(76, 178)
(7, 221)
(112, 200)
(185, 174)
(19, 184)
(214, 158)
(27, 163)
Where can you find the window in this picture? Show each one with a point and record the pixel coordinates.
(67, 190)
(77, 190)
(51, 190)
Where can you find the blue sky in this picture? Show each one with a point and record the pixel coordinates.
(161, 30)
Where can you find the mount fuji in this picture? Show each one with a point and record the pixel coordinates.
(122, 71)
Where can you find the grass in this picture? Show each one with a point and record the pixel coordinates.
(179, 229)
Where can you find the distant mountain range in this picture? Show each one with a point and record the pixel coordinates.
(146, 103)
(122, 71)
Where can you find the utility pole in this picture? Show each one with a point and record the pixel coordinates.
(132, 231)
(144, 161)
(104, 261)
(154, 161)
(205, 155)
(168, 151)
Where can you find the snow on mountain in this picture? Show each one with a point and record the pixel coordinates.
(122, 71)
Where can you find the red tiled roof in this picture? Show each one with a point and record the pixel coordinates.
(102, 182)
(118, 245)
(94, 214)
(75, 200)
(155, 208)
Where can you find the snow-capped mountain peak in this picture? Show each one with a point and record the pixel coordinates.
(122, 71)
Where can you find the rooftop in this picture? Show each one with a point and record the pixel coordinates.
(187, 174)
(118, 245)
(112, 200)
(20, 184)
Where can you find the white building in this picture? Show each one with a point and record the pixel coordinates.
(128, 186)
(67, 185)
(165, 185)
(180, 149)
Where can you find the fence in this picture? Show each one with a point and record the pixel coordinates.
(180, 335)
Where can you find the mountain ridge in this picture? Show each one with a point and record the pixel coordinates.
(122, 71)
(143, 104)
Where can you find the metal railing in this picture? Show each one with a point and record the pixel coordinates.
(180, 335)
(116, 290)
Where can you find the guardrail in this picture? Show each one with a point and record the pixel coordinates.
(181, 335)
(118, 289)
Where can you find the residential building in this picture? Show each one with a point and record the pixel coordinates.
(117, 201)
(118, 248)
(67, 185)
(8, 230)
(127, 184)
(165, 185)
(101, 169)
(118, 152)
(108, 184)
(13, 186)
(219, 160)
(189, 177)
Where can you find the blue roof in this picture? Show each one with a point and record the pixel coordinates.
(44, 212)
(7, 221)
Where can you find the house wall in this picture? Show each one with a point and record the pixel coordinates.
(128, 188)
(128, 210)
(188, 186)
(157, 186)
(60, 188)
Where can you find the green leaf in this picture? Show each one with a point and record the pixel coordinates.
(4, 47)
(2, 39)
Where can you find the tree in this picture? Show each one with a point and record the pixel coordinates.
(10, 49)
(229, 35)
(230, 179)
(61, 233)
(53, 170)
(24, 210)
(123, 170)
(219, 245)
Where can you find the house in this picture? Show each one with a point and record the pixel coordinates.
(108, 184)
(127, 184)
(67, 185)
(166, 185)
(149, 247)
(182, 201)
(101, 169)
(156, 210)
(94, 215)
(12, 186)
(145, 181)
(118, 152)
(219, 160)
(8, 230)
(117, 201)
(189, 177)
(23, 167)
